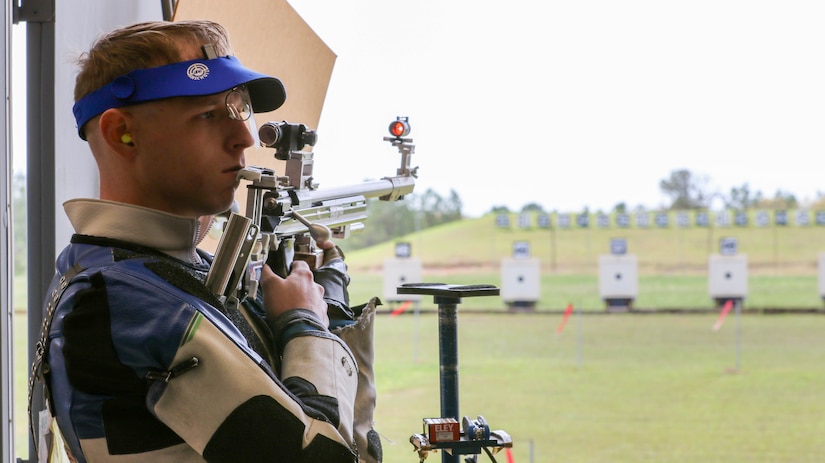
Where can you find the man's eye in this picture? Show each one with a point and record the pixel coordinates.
(208, 114)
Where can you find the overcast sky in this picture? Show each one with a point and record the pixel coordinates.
(574, 104)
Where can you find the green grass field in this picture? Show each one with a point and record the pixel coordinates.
(616, 388)
(799, 292)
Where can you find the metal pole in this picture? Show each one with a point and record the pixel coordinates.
(6, 265)
(168, 9)
(579, 337)
(448, 297)
(553, 249)
(417, 317)
(448, 355)
(448, 360)
(40, 180)
(738, 306)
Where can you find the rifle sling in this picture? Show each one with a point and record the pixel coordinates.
(39, 366)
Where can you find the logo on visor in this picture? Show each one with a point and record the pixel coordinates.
(197, 71)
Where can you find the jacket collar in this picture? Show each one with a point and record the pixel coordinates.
(171, 234)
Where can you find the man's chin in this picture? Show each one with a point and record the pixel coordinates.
(230, 206)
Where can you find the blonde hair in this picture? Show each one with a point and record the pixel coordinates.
(145, 45)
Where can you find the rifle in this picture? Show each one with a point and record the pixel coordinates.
(288, 217)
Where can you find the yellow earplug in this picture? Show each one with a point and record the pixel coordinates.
(126, 138)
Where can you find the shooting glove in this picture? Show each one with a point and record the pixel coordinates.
(334, 278)
(358, 335)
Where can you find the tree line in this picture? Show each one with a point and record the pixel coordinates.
(391, 219)
(690, 191)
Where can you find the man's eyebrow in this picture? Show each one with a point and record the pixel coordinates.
(214, 99)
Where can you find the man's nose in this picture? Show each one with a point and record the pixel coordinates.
(244, 133)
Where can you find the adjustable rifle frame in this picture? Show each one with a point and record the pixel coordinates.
(288, 216)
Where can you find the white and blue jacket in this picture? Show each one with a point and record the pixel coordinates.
(145, 364)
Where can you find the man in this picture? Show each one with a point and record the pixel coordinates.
(142, 362)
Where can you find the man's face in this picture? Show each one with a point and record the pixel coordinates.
(189, 152)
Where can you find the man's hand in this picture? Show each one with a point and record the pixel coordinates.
(331, 251)
(297, 291)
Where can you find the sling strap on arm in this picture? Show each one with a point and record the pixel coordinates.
(39, 366)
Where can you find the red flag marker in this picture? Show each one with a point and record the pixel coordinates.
(722, 315)
(509, 453)
(564, 320)
(401, 308)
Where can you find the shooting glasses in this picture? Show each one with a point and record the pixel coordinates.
(187, 78)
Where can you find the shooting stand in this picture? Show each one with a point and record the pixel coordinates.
(476, 435)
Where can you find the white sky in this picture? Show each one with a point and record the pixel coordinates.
(574, 104)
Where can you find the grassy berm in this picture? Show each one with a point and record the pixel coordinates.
(672, 263)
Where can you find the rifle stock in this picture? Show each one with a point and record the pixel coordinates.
(232, 257)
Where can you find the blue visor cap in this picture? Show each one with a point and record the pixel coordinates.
(187, 78)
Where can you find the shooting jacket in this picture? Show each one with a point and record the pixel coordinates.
(145, 364)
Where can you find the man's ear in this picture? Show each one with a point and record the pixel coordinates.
(114, 130)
